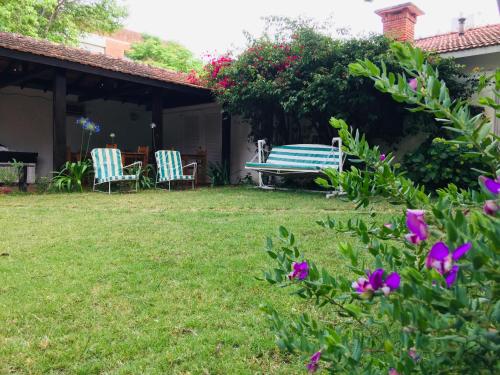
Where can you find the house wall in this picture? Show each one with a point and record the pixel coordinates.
(487, 63)
(26, 124)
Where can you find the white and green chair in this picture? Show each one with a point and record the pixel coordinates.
(296, 159)
(108, 168)
(170, 168)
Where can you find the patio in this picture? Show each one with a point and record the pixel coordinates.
(173, 293)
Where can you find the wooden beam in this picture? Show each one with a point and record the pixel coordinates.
(117, 93)
(205, 93)
(157, 118)
(22, 78)
(59, 119)
(226, 141)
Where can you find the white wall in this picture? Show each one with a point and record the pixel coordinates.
(26, 124)
(486, 63)
(242, 150)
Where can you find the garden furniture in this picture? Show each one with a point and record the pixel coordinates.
(170, 168)
(108, 167)
(297, 159)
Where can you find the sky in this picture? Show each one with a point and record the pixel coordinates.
(217, 26)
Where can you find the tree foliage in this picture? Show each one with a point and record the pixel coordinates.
(287, 86)
(62, 21)
(170, 55)
(430, 303)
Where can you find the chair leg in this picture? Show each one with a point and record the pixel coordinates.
(109, 187)
(193, 184)
(168, 185)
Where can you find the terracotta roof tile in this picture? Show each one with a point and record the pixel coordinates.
(476, 37)
(77, 55)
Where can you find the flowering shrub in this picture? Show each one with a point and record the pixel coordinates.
(286, 85)
(431, 305)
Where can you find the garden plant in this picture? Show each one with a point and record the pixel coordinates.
(73, 175)
(423, 295)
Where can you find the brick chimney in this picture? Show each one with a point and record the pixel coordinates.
(399, 21)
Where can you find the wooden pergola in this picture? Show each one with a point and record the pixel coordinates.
(31, 63)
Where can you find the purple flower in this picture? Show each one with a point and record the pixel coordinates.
(313, 364)
(300, 271)
(376, 281)
(413, 83)
(452, 276)
(492, 185)
(442, 260)
(490, 207)
(416, 224)
(382, 157)
(393, 371)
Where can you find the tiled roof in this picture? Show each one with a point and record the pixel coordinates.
(476, 37)
(77, 55)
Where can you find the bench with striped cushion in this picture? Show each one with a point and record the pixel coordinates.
(108, 166)
(299, 158)
(170, 167)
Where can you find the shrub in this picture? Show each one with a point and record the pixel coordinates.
(146, 179)
(218, 173)
(423, 295)
(288, 85)
(72, 176)
(436, 164)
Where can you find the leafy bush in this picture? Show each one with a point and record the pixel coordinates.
(72, 176)
(288, 85)
(43, 184)
(218, 174)
(146, 176)
(423, 295)
(436, 164)
(10, 175)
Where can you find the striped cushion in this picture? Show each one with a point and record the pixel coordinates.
(170, 166)
(282, 166)
(184, 178)
(129, 177)
(300, 157)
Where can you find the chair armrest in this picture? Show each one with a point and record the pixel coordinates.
(194, 164)
(133, 164)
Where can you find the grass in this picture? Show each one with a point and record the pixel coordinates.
(154, 282)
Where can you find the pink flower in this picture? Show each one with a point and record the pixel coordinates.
(376, 281)
(441, 260)
(393, 371)
(413, 83)
(416, 224)
(490, 207)
(382, 157)
(300, 271)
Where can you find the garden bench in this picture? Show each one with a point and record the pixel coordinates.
(296, 159)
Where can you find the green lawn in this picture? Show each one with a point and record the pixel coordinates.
(153, 283)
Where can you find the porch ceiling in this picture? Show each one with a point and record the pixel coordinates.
(90, 83)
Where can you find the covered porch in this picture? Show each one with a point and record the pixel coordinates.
(45, 87)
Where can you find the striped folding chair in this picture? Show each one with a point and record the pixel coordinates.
(108, 168)
(170, 168)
